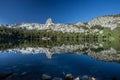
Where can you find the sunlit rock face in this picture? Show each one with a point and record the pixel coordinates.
(49, 25)
(106, 21)
(105, 55)
(49, 22)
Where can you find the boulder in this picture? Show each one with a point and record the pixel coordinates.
(77, 78)
(93, 78)
(69, 77)
(46, 77)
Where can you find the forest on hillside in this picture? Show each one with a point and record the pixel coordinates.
(17, 33)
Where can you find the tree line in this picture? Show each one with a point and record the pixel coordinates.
(28, 34)
(17, 33)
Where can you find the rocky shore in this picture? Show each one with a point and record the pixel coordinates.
(67, 77)
(8, 75)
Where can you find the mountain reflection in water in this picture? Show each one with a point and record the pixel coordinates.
(29, 60)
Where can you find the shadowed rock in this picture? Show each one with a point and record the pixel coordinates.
(46, 77)
(5, 75)
(77, 78)
(93, 78)
(55, 78)
(69, 77)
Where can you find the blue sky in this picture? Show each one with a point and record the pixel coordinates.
(61, 11)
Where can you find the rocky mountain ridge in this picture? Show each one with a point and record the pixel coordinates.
(111, 22)
(106, 21)
(49, 25)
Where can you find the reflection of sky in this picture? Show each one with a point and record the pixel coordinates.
(65, 11)
(78, 65)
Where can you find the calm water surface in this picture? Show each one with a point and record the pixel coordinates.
(31, 62)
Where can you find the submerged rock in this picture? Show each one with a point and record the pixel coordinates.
(5, 75)
(85, 77)
(93, 78)
(55, 78)
(77, 78)
(69, 77)
(46, 77)
(23, 74)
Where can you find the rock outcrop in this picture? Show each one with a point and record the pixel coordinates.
(105, 21)
(49, 25)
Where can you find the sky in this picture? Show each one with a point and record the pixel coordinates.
(61, 11)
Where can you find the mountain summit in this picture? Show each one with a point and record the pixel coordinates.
(111, 22)
(49, 21)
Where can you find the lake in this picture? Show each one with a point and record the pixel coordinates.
(29, 60)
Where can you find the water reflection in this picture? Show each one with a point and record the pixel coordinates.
(99, 50)
(30, 59)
